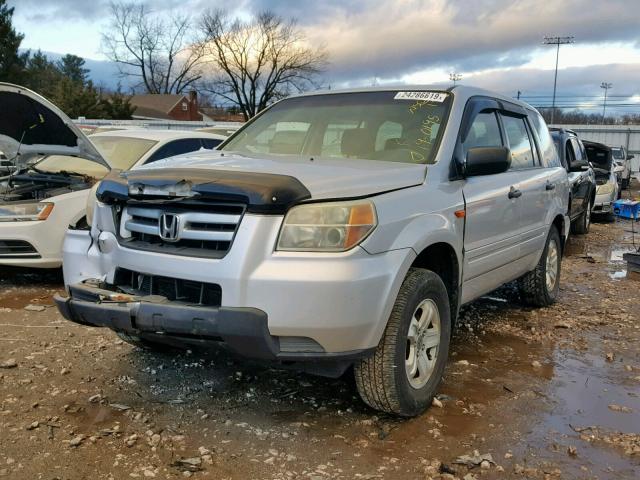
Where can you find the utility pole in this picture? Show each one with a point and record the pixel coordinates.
(455, 77)
(557, 41)
(606, 87)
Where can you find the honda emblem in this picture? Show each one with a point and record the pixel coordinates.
(170, 227)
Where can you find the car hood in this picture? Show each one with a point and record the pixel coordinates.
(324, 178)
(31, 126)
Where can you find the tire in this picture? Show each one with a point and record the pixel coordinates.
(385, 380)
(142, 343)
(582, 223)
(535, 287)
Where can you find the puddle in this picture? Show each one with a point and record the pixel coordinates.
(581, 389)
(23, 286)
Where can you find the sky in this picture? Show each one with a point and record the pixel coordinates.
(495, 44)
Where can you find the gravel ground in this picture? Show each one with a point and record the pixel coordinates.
(549, 393)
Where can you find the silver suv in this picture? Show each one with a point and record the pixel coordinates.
(333, 230)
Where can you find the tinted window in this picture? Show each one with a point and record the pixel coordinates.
(618, 153)
(550, 157)
(484, 132)
(578, 150)
(210, 143)
(176, 147)
(519, 142)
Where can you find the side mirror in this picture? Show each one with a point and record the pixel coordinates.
(487, 161)
(578, 167)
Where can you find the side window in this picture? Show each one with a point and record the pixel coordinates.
(332, 139)
(577, 150)
(176, 147)
(570, 155)
(550, 157)
(387, 131)
(519, 142)
(484, 132)
(210, 143)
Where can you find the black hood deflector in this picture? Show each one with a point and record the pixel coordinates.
(260, 192)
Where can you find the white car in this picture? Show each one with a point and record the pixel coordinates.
(49, 188)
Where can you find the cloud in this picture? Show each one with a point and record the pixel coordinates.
(410, 35)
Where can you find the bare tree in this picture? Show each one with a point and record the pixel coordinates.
(158, 51)
(259, 61)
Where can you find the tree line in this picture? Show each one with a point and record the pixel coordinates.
(246, 64)
(576, 117)
(65, 82)
(243, 64)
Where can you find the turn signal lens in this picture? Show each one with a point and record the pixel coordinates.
(327, 227)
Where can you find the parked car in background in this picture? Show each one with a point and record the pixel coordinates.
(607, 187)
(623, 163)
(582, 179)
(333, 230)
(55, 167)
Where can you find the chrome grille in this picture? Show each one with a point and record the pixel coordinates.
(181, 232)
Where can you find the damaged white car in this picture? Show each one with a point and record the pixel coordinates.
(53, 167)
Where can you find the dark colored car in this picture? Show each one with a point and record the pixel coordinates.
(573, 157)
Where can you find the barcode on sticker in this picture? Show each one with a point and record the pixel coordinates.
(426, 96)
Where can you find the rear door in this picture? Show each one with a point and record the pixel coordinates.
(579, 179)
(531, 179)
(492, 234)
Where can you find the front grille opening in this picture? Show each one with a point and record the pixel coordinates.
(205, 231)
(183, 246)
(173, 289)
(17, 249)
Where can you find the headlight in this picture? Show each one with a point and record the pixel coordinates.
(327, 227)
(91, 203)
(24, 212)
(605, 188)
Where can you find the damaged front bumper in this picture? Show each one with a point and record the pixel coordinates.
(244, 330)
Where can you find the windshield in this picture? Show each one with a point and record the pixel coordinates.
(122, 152)
(617, 153)
(390, 126)
(63, 163)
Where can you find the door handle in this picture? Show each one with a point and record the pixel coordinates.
(550, 186)
(514, 193)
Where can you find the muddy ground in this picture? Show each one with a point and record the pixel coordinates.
(550, 393)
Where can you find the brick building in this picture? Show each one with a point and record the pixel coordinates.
(167, 106)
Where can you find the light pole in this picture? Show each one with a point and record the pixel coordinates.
(556, 41)
(606, 87)
(455, 77)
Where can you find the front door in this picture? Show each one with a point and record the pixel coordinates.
(492, 216)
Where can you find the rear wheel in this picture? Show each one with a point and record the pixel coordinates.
(403, 374)
(581, 225)
(539, 287)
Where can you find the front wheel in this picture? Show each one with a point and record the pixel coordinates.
(403, 374)
(539, 287)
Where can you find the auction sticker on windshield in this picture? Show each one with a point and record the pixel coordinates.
(427, 96)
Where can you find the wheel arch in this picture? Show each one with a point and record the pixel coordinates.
(442, 259)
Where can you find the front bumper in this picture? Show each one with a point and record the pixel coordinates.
(603, 203)
(340, 301)
(244, 330)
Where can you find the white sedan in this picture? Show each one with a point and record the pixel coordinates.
(57, 165)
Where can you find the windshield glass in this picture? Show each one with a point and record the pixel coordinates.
(122, 152)
(63, 163)
(390, 126)
(617, 153)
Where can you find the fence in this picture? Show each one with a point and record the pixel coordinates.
(627, 136)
